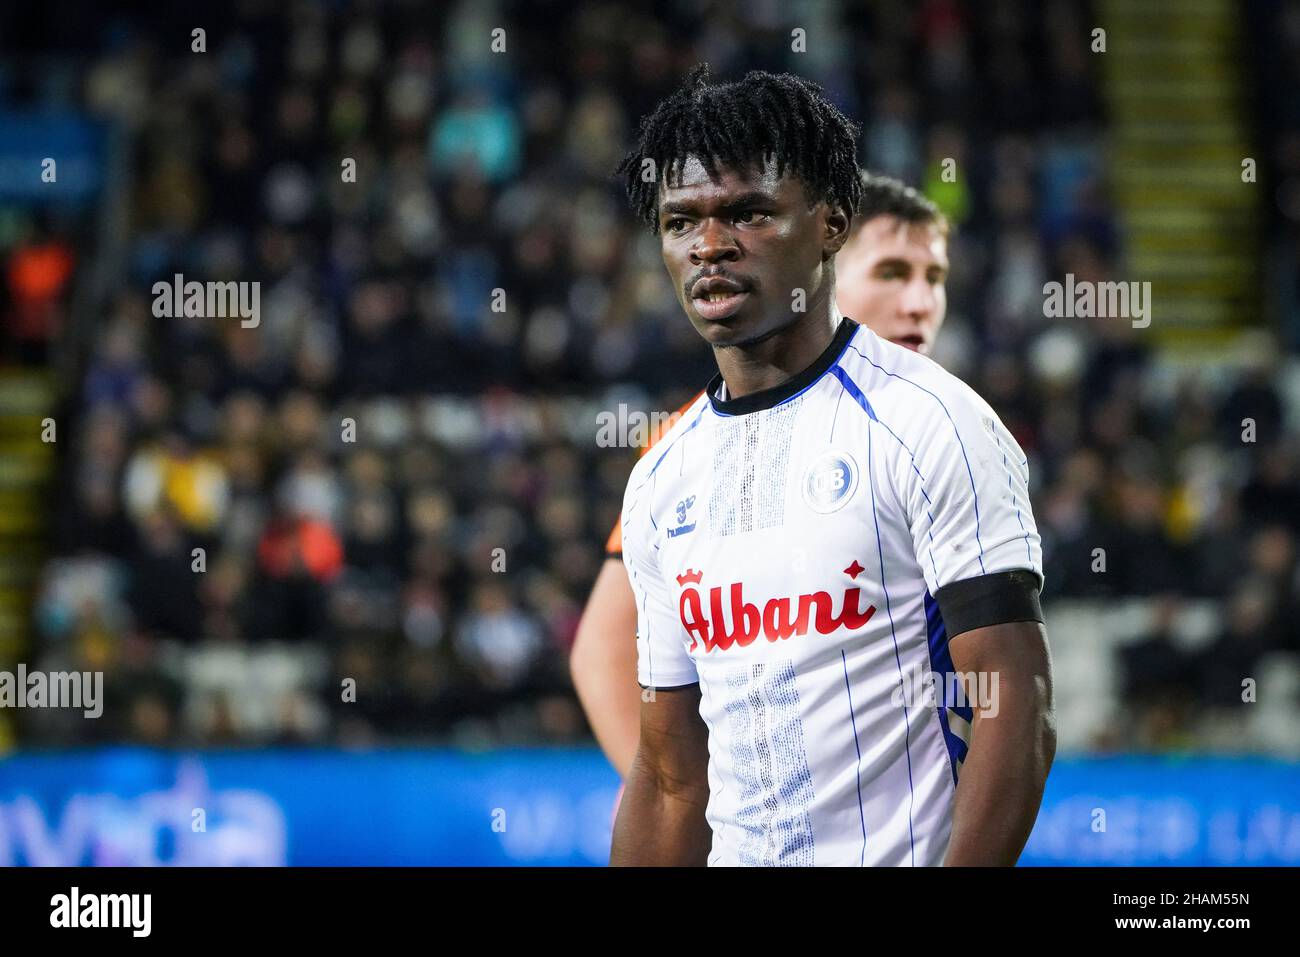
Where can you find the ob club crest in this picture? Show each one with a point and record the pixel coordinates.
(830, 481)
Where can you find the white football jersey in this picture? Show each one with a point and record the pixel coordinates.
(785, 549)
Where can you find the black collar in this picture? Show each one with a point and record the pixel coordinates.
(767, 398)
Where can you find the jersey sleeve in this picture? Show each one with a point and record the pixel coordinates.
(614, 544)
(965, 486)
(661, 657)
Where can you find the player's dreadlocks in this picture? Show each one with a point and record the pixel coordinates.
(739, 125)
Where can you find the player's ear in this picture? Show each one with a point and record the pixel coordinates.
(835, 230)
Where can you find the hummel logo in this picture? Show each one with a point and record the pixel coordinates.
(682, 527)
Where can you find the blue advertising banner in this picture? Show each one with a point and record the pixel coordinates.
(550, 807)
(1173, 811)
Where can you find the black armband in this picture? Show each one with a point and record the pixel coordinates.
(653, 688)
(990, 600)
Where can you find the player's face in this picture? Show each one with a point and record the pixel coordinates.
(890, 277)
(738, 249)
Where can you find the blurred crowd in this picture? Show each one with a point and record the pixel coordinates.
(377, 513)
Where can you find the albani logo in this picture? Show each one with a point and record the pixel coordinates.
(780, 618)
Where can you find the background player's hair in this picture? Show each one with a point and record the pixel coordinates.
(738, 125)
(886, 196)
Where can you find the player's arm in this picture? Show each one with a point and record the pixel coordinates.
(661, 819)
(603, 665)
(1013, 741)
(965, 483)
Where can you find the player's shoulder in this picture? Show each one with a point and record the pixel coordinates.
(663, 426)
(881, 367)
(904, 389)
(665, 436)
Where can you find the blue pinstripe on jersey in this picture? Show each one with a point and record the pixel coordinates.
(969, 472)
(907, 721)
(852, 389)
(857, 775)
(1011, 487)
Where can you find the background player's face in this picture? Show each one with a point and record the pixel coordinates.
(736, 250)
(890, 277)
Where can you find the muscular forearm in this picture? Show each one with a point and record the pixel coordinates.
(1003, 776)
(661, 823)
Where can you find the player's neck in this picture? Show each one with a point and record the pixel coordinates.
(766, 364)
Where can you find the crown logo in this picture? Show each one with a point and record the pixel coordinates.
(690, 577)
